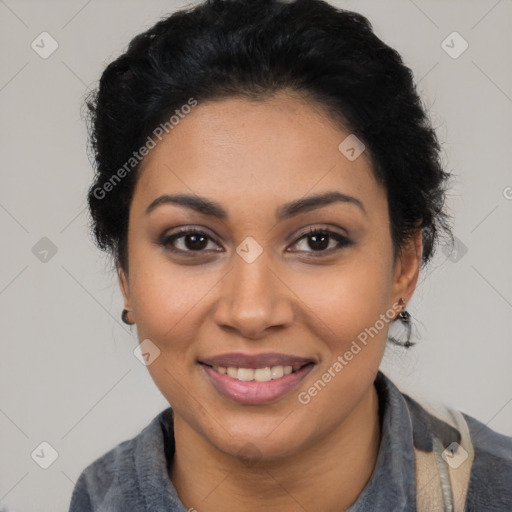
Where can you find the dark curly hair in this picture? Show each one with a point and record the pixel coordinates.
(253, 49)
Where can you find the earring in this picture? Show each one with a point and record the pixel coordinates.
(124, 317)
(403, 339)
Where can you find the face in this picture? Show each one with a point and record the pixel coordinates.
(242, 282)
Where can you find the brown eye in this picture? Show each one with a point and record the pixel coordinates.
(189, 240)
(319, 240)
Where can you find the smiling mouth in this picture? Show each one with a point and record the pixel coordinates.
(264, 374)
(256, 379)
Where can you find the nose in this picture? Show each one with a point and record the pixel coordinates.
(254, 299)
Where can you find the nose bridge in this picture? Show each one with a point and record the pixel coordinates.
(253, 299)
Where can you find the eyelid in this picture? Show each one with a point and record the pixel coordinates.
(181, 232)
(341, 239)
(318, 229)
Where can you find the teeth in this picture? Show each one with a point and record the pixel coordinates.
(258, 374)
(261, 374)
(277, 372)
(245, 374)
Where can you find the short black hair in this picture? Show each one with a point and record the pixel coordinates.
(253, 49)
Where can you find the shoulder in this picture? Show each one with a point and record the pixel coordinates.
(482, 454)
(101, 477)
(496, 447)
(112, 477)
(490, 485)
(448, 424)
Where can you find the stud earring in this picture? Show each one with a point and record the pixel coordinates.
(403, 338)
(124, 317)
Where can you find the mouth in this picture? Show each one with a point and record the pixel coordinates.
(258, 379)
(264, 374)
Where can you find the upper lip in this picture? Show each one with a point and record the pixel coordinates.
(239, 360)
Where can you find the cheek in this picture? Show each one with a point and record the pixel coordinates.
(350, 296)
(165, 310)
(350, 324)
(167, 301)
(164, 296)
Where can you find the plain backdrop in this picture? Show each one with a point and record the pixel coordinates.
(68, 376)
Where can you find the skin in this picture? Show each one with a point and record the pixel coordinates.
(251, 158)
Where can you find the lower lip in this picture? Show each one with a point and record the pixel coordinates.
(254, 392)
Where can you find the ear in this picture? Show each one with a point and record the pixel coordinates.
(124, 286)
(407, 268)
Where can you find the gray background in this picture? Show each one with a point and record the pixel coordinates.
(68, 375)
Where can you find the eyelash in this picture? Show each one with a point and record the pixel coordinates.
(342, 241)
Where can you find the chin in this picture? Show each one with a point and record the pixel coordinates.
(264, 438)
(259, 449)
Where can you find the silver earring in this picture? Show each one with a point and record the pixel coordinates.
(403, 338)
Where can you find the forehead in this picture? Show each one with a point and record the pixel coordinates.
(238, 150)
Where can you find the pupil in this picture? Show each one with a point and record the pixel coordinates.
(322, 245)
(195, 244)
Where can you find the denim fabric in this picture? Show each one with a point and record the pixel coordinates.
(133, 476)
(490, 485)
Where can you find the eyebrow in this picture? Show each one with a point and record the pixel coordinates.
(286, 211)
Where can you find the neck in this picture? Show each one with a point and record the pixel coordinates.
(328, 476)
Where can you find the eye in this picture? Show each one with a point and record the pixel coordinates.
(189, 240)
(319, 241)
(195, 241)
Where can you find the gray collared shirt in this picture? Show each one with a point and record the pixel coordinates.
(133, 476)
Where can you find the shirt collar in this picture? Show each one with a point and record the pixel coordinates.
(391, 486)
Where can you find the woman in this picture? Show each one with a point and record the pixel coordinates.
(269, 187)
